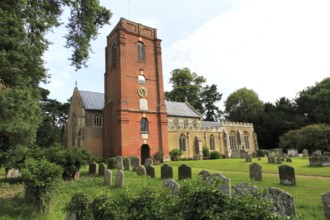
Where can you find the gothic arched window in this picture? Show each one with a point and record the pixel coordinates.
(97, 120)
(144, 126)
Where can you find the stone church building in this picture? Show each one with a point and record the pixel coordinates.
(132, 117)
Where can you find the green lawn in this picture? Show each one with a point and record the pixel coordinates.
(311, 182)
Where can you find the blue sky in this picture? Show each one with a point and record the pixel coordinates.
(275, 47)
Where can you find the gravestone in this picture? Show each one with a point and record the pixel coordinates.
(150, 170)
(244, 188)
(112, 163)
(166, 171)
(305, 153)
(255, 172)
(248, 158)
(271, 160)
(172, 185)
(283, 202)
(184, 172)
(12, 173)
(140, 170)
(326, 204)
(242, 153)
(271, 153)
(76, 175)
(292, 152)
(325, 160)
(119, 162)
(148, 162)
(235, 153)
(101, 169)
(93, 168)
(279, 160)
(287, 175)
(259, 158)
(315, 161)
(222, 182)
(127, 163)
(119, 178)
(108, 177)
(318, 153)
(204, 174)
(135, 162)
(254, 154)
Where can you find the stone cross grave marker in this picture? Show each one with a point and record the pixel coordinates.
(184, 172)
(119, 178)
(108, 177)
(150, 171)
(287, 175)
(166, 171)
(255, 172)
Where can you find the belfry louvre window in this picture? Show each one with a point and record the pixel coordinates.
(182, 142)
(144, 126)
(140, 51)
(97, 120)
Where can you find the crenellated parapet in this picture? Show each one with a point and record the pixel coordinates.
(235, 124)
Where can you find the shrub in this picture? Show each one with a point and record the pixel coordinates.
(262, 152)
(100, 207)
(41, 178)
(175, 154)
(159, 156)
(206, 153)
(80, 206)
(215, 155)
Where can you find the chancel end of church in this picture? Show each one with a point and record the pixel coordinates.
(132, 118)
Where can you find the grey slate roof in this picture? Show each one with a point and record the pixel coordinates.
(210, 124)
(181, 109)
(92, 100)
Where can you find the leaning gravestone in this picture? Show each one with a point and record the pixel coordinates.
(108, 177)
(222, 182)
(271, 160)
(127, 163)
(283, 202)
(119, 178)
(305, 153)
(287, 175)
(255, 172)
(172, 185)
(248, 158)
(184, 172)
(244, 188)
(166, 172)
(148, 162)
(140, 171)
(119, 163)
(101, 169)
(326, 204)
(111, 163)
(150, 170)
(93, 168)
(135, 162)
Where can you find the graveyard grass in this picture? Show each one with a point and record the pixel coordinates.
(311, 182)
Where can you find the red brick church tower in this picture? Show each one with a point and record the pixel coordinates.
(135, 118)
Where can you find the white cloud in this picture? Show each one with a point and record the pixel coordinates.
(276, 48)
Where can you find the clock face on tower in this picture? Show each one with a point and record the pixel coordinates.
(143, 92)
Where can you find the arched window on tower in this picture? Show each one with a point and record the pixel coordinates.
(140, 51)
(97, 120)
(114, 54)
(212, 142)
(182, 142)
(144, 125)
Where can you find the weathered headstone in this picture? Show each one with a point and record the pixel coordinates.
(325, 160)
(254, 154)
(12, 173)
(287, 175)
(112, 163)
(150, 170)
(76, 175)
(135, 161)
(248, 158)
(283, 202)
(242, 153)
(204, 174)
(315, 160)
(172, 185)
(108, 177)
(244, 188)
(127, 163)
(119, 162)
(93, 168)
(184, 172)
(222, 182)
(279, 160)
(101, 169)
(166, 171)
(140, 170)
(292, 152)
(318, 153)
(148, 162)
(119, 178)
(305, 153)
(255, 172)
(271, 159)
(326, 204)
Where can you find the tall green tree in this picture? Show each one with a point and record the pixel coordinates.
(243, 105)
(210, 96)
